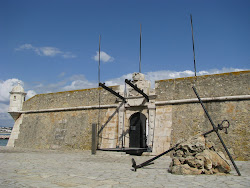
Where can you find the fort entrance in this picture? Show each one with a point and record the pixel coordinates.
(137, 131)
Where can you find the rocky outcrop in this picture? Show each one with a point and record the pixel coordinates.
(198, 156)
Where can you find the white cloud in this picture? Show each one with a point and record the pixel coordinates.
(67, 83)
(6, 87)
(46, 51)
(167, 74)
(68, 55)
(53, 87)
(119, 81)
(49, 51)
(104, 57)
(161, 75)
(3, 109)
(30, 94)
(26, 47)
(79, 82)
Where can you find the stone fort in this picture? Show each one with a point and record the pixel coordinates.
(63, 120)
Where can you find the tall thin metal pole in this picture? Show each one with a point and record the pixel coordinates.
(99, 61)
(193, 44)
(140, 51)
(99, 89)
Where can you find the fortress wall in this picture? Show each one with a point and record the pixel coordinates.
(69, 125)
(65, 129)
(163, 129)
(55, 130)
(109, 130)
(189, 119)
(216, 85)
(68, 99)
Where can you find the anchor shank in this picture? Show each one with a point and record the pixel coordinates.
(216, 130)
(146, 163)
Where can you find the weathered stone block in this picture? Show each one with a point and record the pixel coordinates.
(192, 157)
(185, 169)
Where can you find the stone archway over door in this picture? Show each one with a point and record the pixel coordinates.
(137, 131)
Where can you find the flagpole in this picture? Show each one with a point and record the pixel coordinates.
(99, 61)
(99, 89)
(140, 51)
(193, 44)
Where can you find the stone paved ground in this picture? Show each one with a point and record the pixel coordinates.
(36, 168)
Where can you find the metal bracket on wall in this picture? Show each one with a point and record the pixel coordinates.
(113, 92)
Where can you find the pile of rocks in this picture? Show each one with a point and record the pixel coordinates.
(198, 156)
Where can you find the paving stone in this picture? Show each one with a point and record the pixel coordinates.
(43, 168)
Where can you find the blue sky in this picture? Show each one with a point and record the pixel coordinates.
(50, 45)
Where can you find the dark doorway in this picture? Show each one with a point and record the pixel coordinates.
(137, 131)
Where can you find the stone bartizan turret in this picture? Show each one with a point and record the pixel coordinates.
(17, 97)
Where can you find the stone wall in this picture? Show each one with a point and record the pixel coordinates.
(63, 120)
(109, 129)
(66, 128)
(226, 84)
(163, 129)
(59, 130)
(68, 99)
(189, 119)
